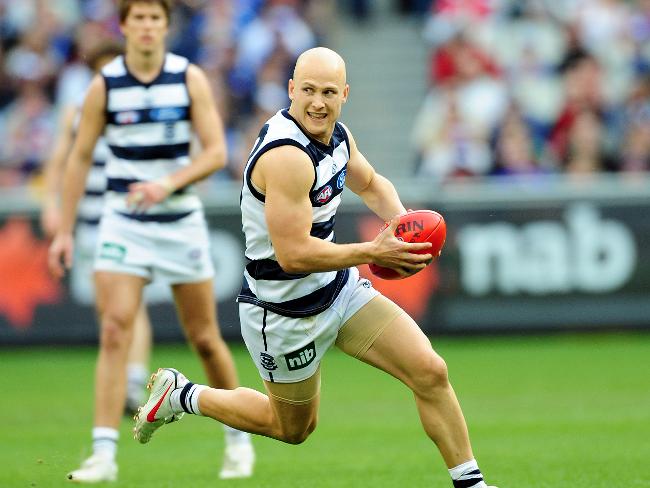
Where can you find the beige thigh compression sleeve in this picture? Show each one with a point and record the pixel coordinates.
(362, 329)
(295, 393)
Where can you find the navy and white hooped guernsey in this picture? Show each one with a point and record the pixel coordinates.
(265, 283)
(148, 131)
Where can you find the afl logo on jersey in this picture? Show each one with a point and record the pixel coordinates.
(325, 194)
(129, 117)
(340, 181)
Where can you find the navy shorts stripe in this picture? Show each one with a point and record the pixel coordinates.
(161, 218)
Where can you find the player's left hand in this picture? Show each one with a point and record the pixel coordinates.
(144, 195)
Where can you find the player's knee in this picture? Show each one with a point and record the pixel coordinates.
(114, 331)
(431, 374)
(205, 345)
(298, 435)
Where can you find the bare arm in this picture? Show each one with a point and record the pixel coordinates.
(53, 172)
(285, 174)
(91, 127)
(208, 126)
(377, 192)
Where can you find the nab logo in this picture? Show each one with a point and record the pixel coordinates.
(301, 358)
(324, 195)
(268, 362)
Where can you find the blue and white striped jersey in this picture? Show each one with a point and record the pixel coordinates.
(265, 283)
(148, 131)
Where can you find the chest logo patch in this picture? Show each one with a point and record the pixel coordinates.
(325, 194)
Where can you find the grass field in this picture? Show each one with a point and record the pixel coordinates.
(549, 412)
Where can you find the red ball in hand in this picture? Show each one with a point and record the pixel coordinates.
(416, 226)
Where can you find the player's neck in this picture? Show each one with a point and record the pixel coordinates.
(145, 66)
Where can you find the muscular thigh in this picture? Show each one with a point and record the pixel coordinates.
(398, 345)
(361, 330)
(295, 404)
(118, 294)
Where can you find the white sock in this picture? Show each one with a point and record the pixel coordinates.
(105, 441)
(234, 436)
(186, 399)
(467, 475)
(136, 377)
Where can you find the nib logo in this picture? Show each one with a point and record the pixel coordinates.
(24, 280)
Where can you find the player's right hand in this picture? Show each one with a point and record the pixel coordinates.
(60, 254)
(391, 252)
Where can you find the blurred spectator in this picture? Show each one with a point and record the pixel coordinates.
(26, 128)
(573, 69)
(449, 145)
(635, 155)
(583, 91)
(458, 60)
(586, 152)
(514, 151)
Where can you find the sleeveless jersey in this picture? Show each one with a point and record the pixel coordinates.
(265, 283)
(148, 131)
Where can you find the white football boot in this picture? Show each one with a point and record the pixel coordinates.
(158, 410)
(96, 469)
(238, 461)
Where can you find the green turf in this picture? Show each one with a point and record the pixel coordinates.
(547, 412)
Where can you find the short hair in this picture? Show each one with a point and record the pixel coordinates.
(125, 5)
(108, 47)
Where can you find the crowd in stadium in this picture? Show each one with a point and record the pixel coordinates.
(536, 86)
(516, 87)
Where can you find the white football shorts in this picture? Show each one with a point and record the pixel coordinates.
(173, 252)
(288, 350)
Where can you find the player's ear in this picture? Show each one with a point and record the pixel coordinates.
(291, 88)
(346, 93)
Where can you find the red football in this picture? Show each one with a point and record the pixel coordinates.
(416, 226)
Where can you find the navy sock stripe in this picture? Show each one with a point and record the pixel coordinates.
(183, 398)
(468, 483)
(189, 400)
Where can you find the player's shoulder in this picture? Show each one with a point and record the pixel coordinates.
(282, 127)
(175, 63)
(115, 68)
(286, 162)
